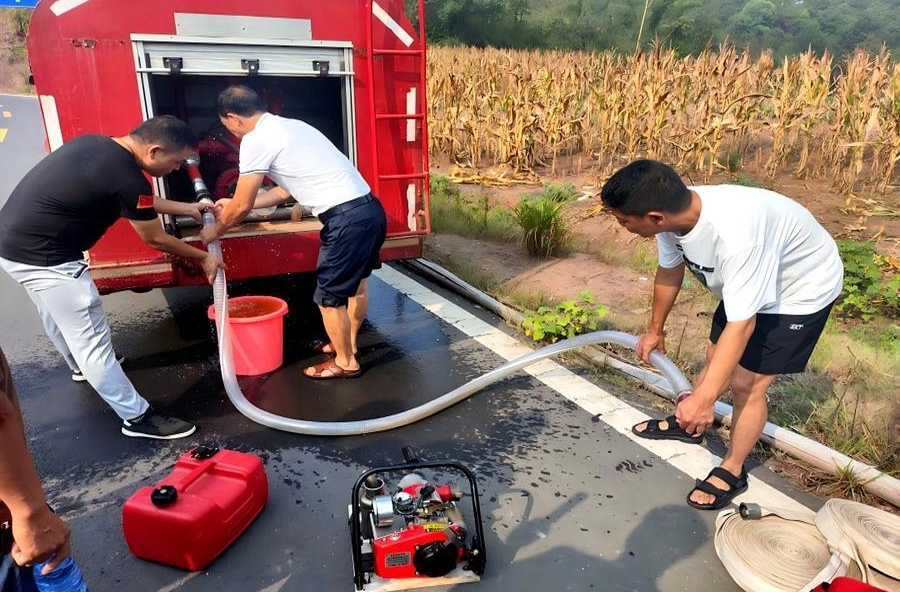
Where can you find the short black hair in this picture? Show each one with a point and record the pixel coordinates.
(166, 130)
(645, 186)
(240, 100)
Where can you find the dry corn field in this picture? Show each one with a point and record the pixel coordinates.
(809, 115)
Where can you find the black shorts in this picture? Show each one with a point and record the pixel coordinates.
(352, 235)
(780, 344)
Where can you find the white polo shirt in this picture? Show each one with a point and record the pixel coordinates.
(301, 160)
(758, 251)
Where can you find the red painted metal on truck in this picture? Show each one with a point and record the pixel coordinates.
(83, 61)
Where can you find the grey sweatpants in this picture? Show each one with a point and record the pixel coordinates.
(72, 314)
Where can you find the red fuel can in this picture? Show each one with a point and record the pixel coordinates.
(199, 509)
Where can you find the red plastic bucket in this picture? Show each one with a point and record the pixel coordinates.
(257, 332)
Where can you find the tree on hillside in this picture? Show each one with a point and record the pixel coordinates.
(785, 26)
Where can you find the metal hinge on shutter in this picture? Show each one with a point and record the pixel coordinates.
(321, 67)
(173, 64)
(251, 66)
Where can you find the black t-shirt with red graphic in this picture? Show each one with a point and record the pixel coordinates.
(68, 200)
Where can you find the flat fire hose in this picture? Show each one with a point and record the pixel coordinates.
(781, 550)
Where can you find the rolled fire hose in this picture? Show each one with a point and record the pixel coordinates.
(346, 428)
(786, 550)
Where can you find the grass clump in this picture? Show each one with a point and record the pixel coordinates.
(544, 230)
(454, 213)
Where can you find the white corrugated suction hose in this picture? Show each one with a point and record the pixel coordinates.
(346, 428)
(780, 550)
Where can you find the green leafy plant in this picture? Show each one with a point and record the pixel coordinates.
(565, 320)
(544, 230)
(745, 180)
(558, 193)
(870, 286)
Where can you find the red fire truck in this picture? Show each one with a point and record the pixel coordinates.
(354, 69)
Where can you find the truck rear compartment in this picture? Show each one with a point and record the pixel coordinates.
(192, 98)
(322, 101)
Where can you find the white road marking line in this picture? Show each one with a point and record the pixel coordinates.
(7, 114)
(695, 461)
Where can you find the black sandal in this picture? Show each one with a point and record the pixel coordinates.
(723, 498)
(673, 432)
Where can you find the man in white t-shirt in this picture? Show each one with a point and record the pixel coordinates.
(777, 273)
(306, 165)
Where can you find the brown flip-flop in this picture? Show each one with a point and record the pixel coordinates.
(333, 369)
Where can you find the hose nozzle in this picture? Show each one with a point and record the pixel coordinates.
(192, 166)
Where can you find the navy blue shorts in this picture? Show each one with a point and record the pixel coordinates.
(352, 235)
(780, 344)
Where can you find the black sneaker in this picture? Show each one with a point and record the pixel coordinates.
(157, 427)
(77, 376)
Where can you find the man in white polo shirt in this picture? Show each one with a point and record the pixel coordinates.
(307, 166)
(777, 273)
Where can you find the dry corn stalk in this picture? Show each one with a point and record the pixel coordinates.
(526, 109)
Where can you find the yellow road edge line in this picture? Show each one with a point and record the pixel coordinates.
(3, 131)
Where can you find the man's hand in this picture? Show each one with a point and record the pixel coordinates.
(195, 210)
(648, 342)
(40, 537)
(211, 233)
(211, 265)
(220, 206)
(696, 413)
(179, 208)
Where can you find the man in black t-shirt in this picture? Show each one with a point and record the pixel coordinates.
(58, 211)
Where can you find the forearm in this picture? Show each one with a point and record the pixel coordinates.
(728, 351)
(173, 246)
(666, 287)
(233, 214)
(245, 194)
(20, 487)
(172, 207)
(272, 197)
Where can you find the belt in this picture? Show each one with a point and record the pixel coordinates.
(345, 207)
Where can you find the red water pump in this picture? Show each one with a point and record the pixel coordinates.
(416, 533)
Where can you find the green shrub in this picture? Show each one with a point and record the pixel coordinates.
(870, 286)
(745, 180)
(544, 230)
(732, 161)
(889, 339)
(565, 320)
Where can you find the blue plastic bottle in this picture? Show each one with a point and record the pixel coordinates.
(65, 578)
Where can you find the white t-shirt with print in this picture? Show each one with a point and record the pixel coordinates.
(758, 251)
(301, 160)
